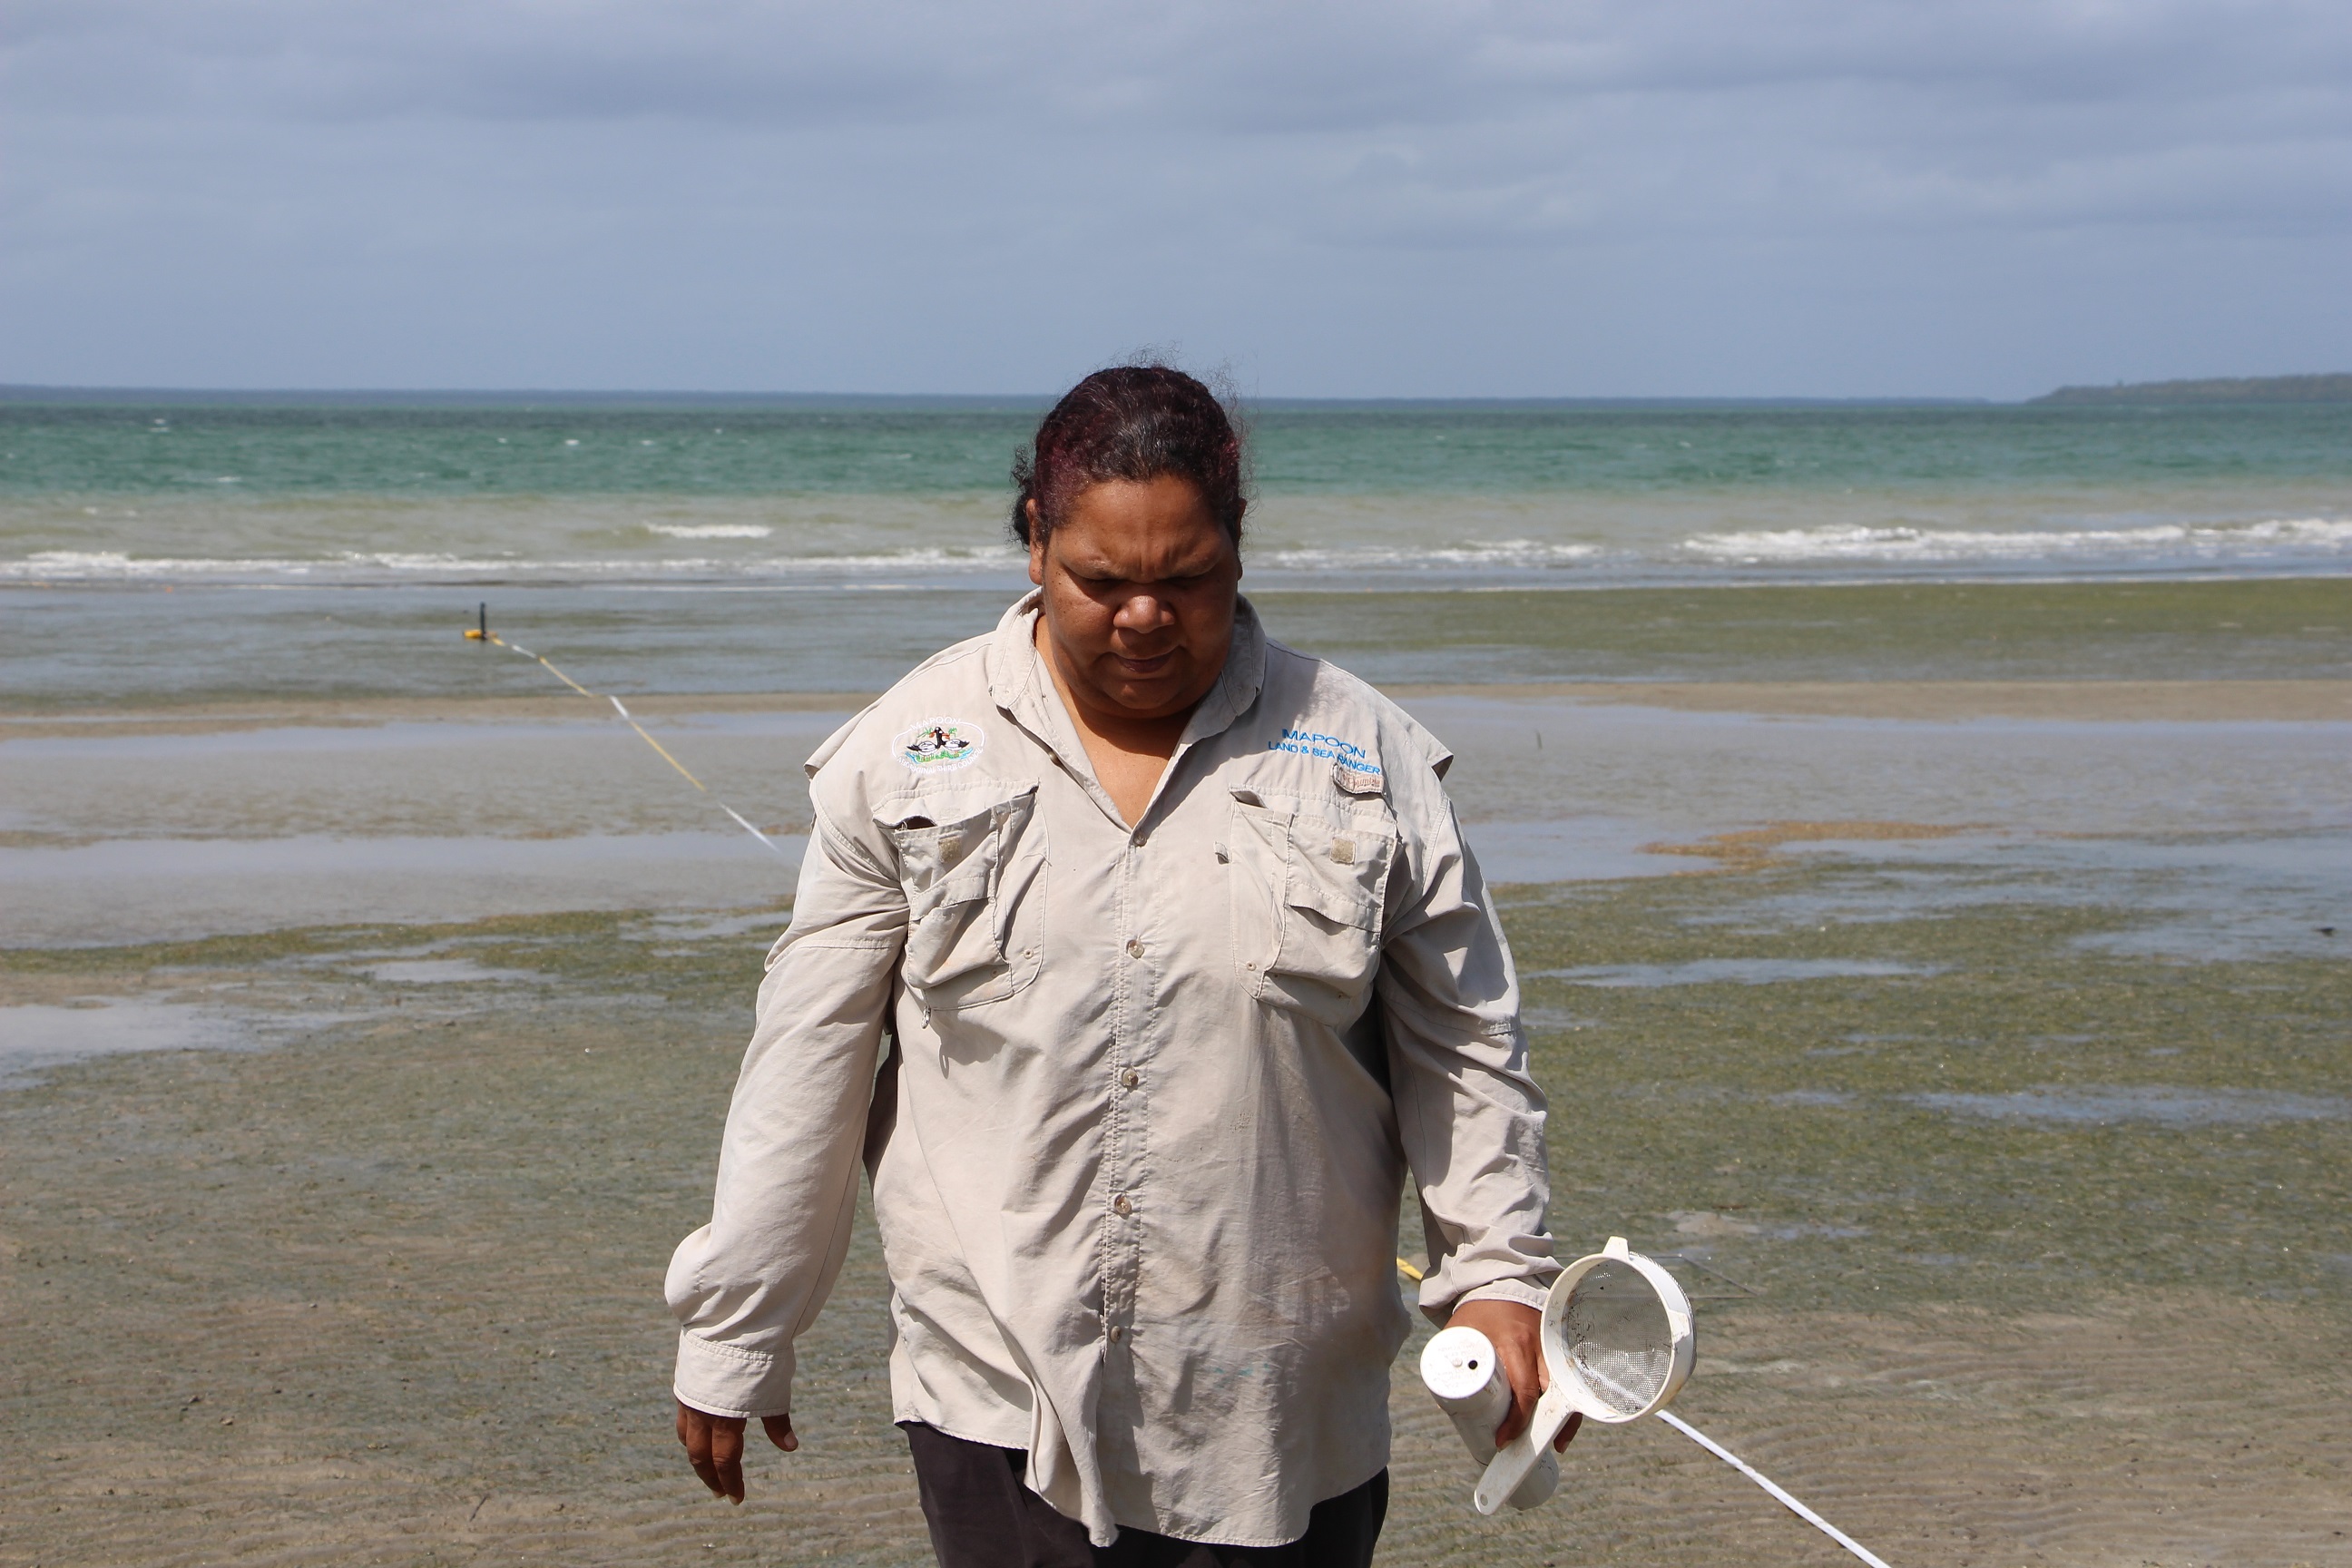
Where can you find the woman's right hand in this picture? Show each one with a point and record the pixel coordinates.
(714, 1447)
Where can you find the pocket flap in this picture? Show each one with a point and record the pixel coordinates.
(951, 845)
(1339, 871)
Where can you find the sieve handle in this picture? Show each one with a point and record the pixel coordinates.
(1523, 1453)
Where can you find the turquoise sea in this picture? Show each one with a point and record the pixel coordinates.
(820, 547)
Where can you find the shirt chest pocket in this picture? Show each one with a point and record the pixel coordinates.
(1306, 903)
(975, 896)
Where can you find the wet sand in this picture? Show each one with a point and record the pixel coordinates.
(2048, 1239)
(1947, 701)
(150, 823)
(1998, 1044)
(134, 720)
(2317, 699)
(82, 650)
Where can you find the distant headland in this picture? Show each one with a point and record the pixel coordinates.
(2217, 389)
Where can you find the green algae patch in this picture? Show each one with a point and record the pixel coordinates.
(2284, 629)
(391, 1290)
(398, 1280)
(1974, 1101)
(711, 959)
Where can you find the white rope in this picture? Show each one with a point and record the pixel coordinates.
(748, 827)
(630, 719)
(1773, 1488)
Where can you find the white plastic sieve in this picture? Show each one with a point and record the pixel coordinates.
(1618, 1344)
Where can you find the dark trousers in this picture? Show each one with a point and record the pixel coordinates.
(982, 1517)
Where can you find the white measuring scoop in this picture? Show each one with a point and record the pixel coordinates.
(1462, 1373)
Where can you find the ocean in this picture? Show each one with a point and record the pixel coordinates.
(1469, 494)
(817, 548)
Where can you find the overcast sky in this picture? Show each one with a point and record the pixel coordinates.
(1669, 197)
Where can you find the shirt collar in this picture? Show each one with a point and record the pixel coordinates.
(1019, 684)
(1237, 684)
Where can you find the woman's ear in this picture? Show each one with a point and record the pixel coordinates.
(1037, 544)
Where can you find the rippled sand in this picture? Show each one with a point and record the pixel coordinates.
(389, 1290)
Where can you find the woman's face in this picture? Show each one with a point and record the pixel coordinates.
(1139, 583)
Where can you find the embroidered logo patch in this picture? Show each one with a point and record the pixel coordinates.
(941, 745)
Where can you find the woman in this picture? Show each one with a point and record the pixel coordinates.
(1138, 957)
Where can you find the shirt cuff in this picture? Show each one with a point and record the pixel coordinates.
(1525, 1292)
(721, 1380)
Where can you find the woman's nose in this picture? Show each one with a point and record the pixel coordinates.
(1143, 613)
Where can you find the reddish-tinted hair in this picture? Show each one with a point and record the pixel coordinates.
(1132, 422)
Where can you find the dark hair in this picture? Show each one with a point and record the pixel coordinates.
(1132, 422)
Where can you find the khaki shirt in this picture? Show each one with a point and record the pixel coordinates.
(1137, 1156)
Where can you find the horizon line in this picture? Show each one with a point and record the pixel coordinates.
(29, 392)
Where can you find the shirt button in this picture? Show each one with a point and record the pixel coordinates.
(1141, 838)
(1120, 1206)
(1114, 1333)
(1130, 1077)
(1134, 948)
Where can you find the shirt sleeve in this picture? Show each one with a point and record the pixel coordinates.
(1468, 1111)
(744, 1287)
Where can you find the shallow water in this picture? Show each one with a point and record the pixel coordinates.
(2228, 836)
(1724, 971)
(36, 1035)
(450, 971)
(152, 889)
(2198, 895)
(2092, 1105)
(84, 647)
(1693, 773)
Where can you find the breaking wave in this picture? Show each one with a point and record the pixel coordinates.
(2303, 543)
(2184, 543)
(710, 529)
(378, 566)
(1491, 554)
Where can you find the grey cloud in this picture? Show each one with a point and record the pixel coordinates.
(1993, 112)
(1235, 65)
(816, 180)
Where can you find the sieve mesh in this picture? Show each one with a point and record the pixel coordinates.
(1618, 1337)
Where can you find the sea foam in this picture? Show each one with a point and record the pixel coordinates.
(378, 566)
(2156, 543)
(710, 529)
(1497, 553)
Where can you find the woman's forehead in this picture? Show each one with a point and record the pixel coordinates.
(1139, 530)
